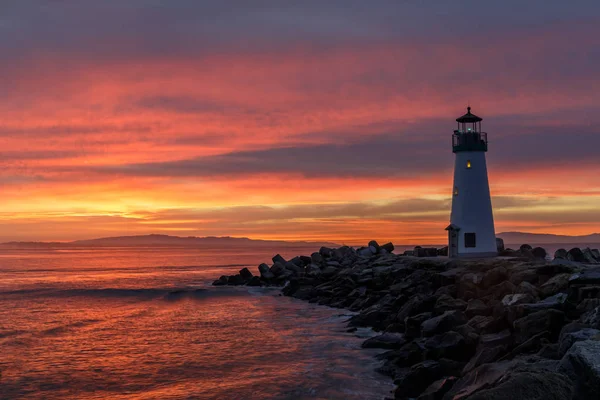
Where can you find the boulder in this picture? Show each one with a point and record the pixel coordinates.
(484, 355)
(221, 281)
(313, 270)
(592, 318)
(556, 284)
(365, 252)
(481, 377)
(537, 322)
(515, 299)
(477, 307)
(412, 325)
(561, 254)
(385, 341)
(494, 277)
(389, 247)
(329, 271)
(503, 338)
(589, 256)
(438, 389)
(316, 258)
(374, 246)
(277, 258)
(446, 303)
(539, 252)
(449, 345)
(500, 290)
(408, 355)
(525, 247)
(443, 323)
(326, 252)
(418, 378)
(254, 281)
(528, 288)
(482, 324)
(265, 272)
(575, 254)
(278, 268)
(530, 385)
(246, 274)
(567, 339)
(582, 364)
(294, 268)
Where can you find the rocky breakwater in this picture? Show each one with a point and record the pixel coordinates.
(519, 328)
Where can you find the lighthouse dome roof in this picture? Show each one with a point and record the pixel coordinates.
(468, 117)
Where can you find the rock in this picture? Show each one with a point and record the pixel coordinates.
(537, 322)
(326, 252)
(524, 273)
(477, 307)
(419, 377)
(530, 385)
(589, 256)
(254, 281)
(389, 247)
(592, 318)
(482, 324)
(528, 288)
(278, 269)
(316, 258)
(539, 252)
(408, 355)
(385, 341)
(556, 284)
(500, 290)
(412, 325)
(561, 253)
(556, 302)
(446, 303)
(481, 377)
(442, 323)
(494, 277)
(365, 252)
(582, 364)
(438, 389)
(515, 299)
(575, 254)
(265, 272)
(567, 339)
(313, 270)
(448, 277)
(221, 281)
(278, 259)
(329, 271)
(525, 247)
(296, 269)
(449, 345)
(504, 339)
(246, 274)
(484, 355)
(374, 246)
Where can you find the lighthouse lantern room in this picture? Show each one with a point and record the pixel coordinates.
(471, 230)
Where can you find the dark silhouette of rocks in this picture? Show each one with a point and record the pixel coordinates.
(520, 326)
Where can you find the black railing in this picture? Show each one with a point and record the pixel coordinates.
(469, 141)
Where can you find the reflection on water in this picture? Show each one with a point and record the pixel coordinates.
(146, 324)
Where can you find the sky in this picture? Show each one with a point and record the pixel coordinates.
(297, 120)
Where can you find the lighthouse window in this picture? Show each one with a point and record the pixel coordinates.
(470, 240)
(468, 164)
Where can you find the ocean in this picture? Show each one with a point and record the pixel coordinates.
(145, 323)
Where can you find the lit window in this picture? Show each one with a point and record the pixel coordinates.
(456, 190)
(468, 164)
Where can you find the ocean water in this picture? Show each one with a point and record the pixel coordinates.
(124, 323)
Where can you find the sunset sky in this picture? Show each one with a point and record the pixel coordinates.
(303, 119)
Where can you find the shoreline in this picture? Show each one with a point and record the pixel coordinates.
(455, 329)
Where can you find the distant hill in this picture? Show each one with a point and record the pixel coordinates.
(546, 238)
(168, 241)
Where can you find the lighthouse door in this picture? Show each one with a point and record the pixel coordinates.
(453, 242)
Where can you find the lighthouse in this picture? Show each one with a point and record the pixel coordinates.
(471, 230)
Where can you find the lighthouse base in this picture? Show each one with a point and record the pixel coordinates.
(477, 255)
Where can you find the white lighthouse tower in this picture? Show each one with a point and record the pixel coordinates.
(471, 230)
